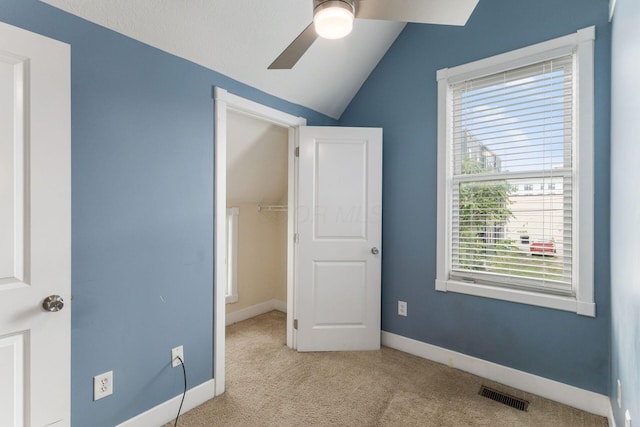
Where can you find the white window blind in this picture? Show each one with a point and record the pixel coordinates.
(512, 173)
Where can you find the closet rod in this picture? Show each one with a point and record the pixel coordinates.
(272, 208)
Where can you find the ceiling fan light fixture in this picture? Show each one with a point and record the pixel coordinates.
(333, 19)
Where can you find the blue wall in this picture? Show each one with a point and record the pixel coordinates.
(625, 209)
(142, 212)
(401, 96)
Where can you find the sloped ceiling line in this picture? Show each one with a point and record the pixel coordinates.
(240, 38)
(257, 159)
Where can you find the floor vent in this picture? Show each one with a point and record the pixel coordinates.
(498, 396)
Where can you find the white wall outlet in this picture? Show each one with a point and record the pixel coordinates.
(627, 419)
(402, 308)
(175, 353)
(103, 385)
(619, 394)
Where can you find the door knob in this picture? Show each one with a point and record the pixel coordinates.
(53, 303)
(375, 250)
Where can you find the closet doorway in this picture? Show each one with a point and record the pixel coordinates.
(257, 190)
(249, 176)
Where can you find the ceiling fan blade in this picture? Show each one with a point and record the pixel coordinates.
(447, 12)
(295, 50)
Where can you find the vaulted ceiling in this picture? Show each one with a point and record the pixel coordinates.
(240, 38)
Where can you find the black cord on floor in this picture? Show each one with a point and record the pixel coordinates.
(184, 372)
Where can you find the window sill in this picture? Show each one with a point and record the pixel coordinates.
(556, 302)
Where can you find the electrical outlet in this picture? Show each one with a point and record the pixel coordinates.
(103, 385)
(175, 353)
(627, 419)
(402, 308)
(619, 394)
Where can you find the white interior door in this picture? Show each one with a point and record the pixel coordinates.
(339, 243)
(35, 229)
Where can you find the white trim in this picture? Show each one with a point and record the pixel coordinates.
(584, 171)
(612, 9)
(569, 395)
(167, 411)
(226, 101)
(517, 58)
(610, 417)
(443, 217)
(582, 42)
(280, 305)
(220, 238)
(557, 302)
(259, 111)
(255, 310)
(292, 230)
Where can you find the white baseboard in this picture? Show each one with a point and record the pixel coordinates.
(167, 411)
(255, 310)
(280, 305)
(569, 395)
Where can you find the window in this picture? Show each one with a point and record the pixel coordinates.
(520, 120)
(231, 293)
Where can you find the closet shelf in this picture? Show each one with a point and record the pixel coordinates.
(272, 208)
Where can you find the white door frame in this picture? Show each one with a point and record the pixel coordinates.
(225, 101)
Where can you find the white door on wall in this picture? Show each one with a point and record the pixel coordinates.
(35, 229)
(339, 243)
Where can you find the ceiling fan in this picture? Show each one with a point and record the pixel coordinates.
(333, 19)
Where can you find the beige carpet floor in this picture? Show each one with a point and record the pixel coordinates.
(268, 384)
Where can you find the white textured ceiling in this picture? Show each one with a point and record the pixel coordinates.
(240, 38)
(256, 160)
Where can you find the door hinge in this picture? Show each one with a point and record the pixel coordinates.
(295, 324)
(297, 151)
(296, 238)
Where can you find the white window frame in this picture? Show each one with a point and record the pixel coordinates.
(581, 44)
(231, 294)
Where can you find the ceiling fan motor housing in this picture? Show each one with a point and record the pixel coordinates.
(318, 5)
(333, 19)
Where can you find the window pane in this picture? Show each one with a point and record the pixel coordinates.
(514, 230)
(520, 120)
(516, 227)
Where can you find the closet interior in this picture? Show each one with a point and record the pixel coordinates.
(257, 185)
